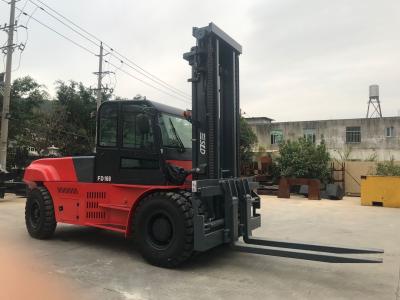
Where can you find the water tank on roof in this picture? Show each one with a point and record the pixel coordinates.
(374, 91)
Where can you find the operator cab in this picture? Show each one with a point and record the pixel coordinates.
(138, 140)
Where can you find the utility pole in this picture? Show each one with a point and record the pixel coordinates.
(100, 74)
(100, 88)
(7, 90)
(100, 77)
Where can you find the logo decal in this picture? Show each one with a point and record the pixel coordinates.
(202, 143)
(104, 178)
(194, 186)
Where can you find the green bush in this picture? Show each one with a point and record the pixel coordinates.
(387, 168)
(304, 159)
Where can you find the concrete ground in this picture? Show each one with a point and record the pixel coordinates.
(86, 263)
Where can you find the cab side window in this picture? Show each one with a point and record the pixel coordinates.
(108, 126)
(137, 131)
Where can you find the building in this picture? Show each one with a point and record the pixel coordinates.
(353, 139)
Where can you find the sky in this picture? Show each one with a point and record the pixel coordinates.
(301, 60)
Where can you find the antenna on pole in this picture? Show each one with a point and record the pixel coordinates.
(374, 105)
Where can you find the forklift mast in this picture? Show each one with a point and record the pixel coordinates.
(215, 103)
(230, 200)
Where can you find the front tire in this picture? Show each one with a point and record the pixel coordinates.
(39, 214)
(163, 229)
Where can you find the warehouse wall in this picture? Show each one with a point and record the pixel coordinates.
(374, 142)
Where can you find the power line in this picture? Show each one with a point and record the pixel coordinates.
(150, 85)
(180, 98)
(65, 37)
(16, 42)
(19, 15)
(113, 52)
(30, 16)
(156, 79)
(148, 76)
(26, 32)
(65, 18)
(65, 24)
(55, 31)
(112, 77)
(160, 81)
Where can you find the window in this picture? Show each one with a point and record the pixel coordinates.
(108, 126)
(136, 129)
(353, 135)
(176, 132)
(276, 137)
(389, 131)
(309, 135)
(133, 163)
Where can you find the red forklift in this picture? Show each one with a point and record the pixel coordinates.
(168, 177)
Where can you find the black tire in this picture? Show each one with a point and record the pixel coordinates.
(200, 207)
(39, 214)
(163, 229)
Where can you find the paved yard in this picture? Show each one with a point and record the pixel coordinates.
(95, 264)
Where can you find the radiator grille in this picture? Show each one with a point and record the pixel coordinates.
(95, 214)
(93, 211)
(96, 195)
(92, 204)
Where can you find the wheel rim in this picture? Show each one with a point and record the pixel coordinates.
(35, 214)
(160, 230)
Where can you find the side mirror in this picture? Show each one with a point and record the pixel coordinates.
(143, 123)
(188, 115)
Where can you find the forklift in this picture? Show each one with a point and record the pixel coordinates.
(169, 178)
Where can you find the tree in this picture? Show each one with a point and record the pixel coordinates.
(247, 140)
(27, 97)
(303, 159)
(26, 119)
(73, 121)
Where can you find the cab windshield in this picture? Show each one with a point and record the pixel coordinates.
(176, 131)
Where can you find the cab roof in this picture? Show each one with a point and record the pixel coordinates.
(148, 103)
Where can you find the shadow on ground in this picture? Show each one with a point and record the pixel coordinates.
(89, 237)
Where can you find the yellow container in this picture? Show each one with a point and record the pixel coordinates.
(380, 191)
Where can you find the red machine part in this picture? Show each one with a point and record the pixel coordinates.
(103, 205)
(53, 169)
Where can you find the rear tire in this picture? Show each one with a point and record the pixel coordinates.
(163, 229)
(39, 214)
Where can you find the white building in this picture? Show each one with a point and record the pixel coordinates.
(360, 139)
